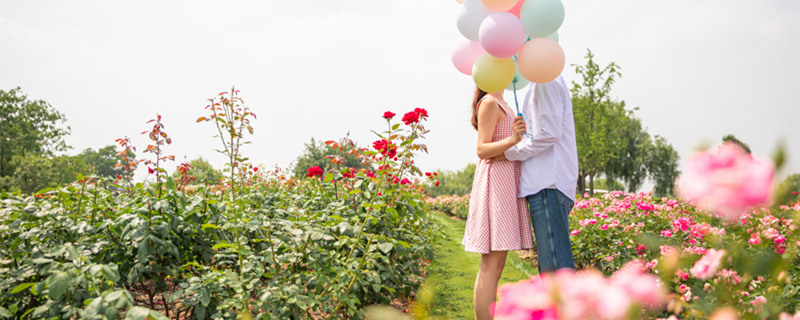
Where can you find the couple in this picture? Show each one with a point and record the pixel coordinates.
(515, 173)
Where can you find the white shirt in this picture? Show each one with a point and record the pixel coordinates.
(550, 157)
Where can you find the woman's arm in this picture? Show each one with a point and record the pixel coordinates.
(489, 114)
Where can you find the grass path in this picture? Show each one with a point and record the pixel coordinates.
(452, 272)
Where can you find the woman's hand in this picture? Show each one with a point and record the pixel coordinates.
(519, 129)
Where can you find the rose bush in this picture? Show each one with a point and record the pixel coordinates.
(262, 244)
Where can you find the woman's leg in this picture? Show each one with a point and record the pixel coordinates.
(486, 282)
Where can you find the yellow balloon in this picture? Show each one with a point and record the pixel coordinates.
(498, 5)
(493, 74)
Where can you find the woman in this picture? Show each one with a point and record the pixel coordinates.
(498, 221)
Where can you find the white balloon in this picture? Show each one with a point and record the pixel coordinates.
(470, 17)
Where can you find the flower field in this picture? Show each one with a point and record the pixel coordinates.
(706, 262)
(258, 245)
(453, 205)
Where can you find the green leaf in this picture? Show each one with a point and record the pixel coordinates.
(206, 226)
(22, 287)
(57, 284)
(221, 245)
(205, 298)
(137, 313)
(386, 247)
(111, 274)
(41, 260)
(329, 177)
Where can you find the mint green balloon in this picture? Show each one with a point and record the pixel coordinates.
(519, 82)
(554, 37)
(541, 18)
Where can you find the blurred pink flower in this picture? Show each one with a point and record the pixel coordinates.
(666, 233)
(725, 314)
(770, 233)
(727, 180)
(707, 266)
(754, 239)
(575, 232)
(667, 250)
(682, 274)
(566, 294)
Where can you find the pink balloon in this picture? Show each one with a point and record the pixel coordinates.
(465, 52)
(502, 34)
(517, 8)
(540, 60)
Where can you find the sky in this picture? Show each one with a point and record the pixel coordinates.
(697, 70)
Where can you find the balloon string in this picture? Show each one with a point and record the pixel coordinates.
(514, 86)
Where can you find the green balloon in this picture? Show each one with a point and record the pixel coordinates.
(519, 82)
(541, 18)
(554, 37)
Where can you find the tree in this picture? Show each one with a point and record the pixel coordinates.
(456, 183)
(731, 138)
(33, 173)
(788, 190)
(202, 171)
(629, 144)
(102, 161)
(595, 117)
(316, 152)
(28, 127)
(662, 166)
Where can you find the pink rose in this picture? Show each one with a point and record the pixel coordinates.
(707, 266)
(726, 181)
(754, 239)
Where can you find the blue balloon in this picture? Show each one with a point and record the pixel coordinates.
(541, 18)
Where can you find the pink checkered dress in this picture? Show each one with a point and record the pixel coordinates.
(497, 219)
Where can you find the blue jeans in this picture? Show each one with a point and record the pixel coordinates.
(549, 210)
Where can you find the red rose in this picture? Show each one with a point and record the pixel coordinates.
(380, 145)
(255, 169)
(314, 171)
(437, 183)
(385, 147)
(388, 115)
(421, 112)
(150, 170)
(411, 117)
(404, 181)
(370, 174)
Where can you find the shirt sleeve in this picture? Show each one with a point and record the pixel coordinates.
(547, 109)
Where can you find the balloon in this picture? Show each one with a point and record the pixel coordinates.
(553, 36)
(469, 18)
(517, 7)
(519, 82)
(501, 34)
(499, 5)
(465, 52)
(540, 60)
(541, 17)
(492, 74)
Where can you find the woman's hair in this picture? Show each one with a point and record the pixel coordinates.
(478, 96)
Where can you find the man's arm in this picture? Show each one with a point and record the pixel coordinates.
(548, 109)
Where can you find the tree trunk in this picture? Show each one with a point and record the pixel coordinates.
(581, 183)
(591, 184)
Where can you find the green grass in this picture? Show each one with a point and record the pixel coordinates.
(452, 272)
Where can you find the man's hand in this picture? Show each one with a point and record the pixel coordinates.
(501, 157)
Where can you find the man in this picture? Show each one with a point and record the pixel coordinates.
(549, 170)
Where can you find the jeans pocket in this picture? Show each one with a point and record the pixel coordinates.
(566, 202)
